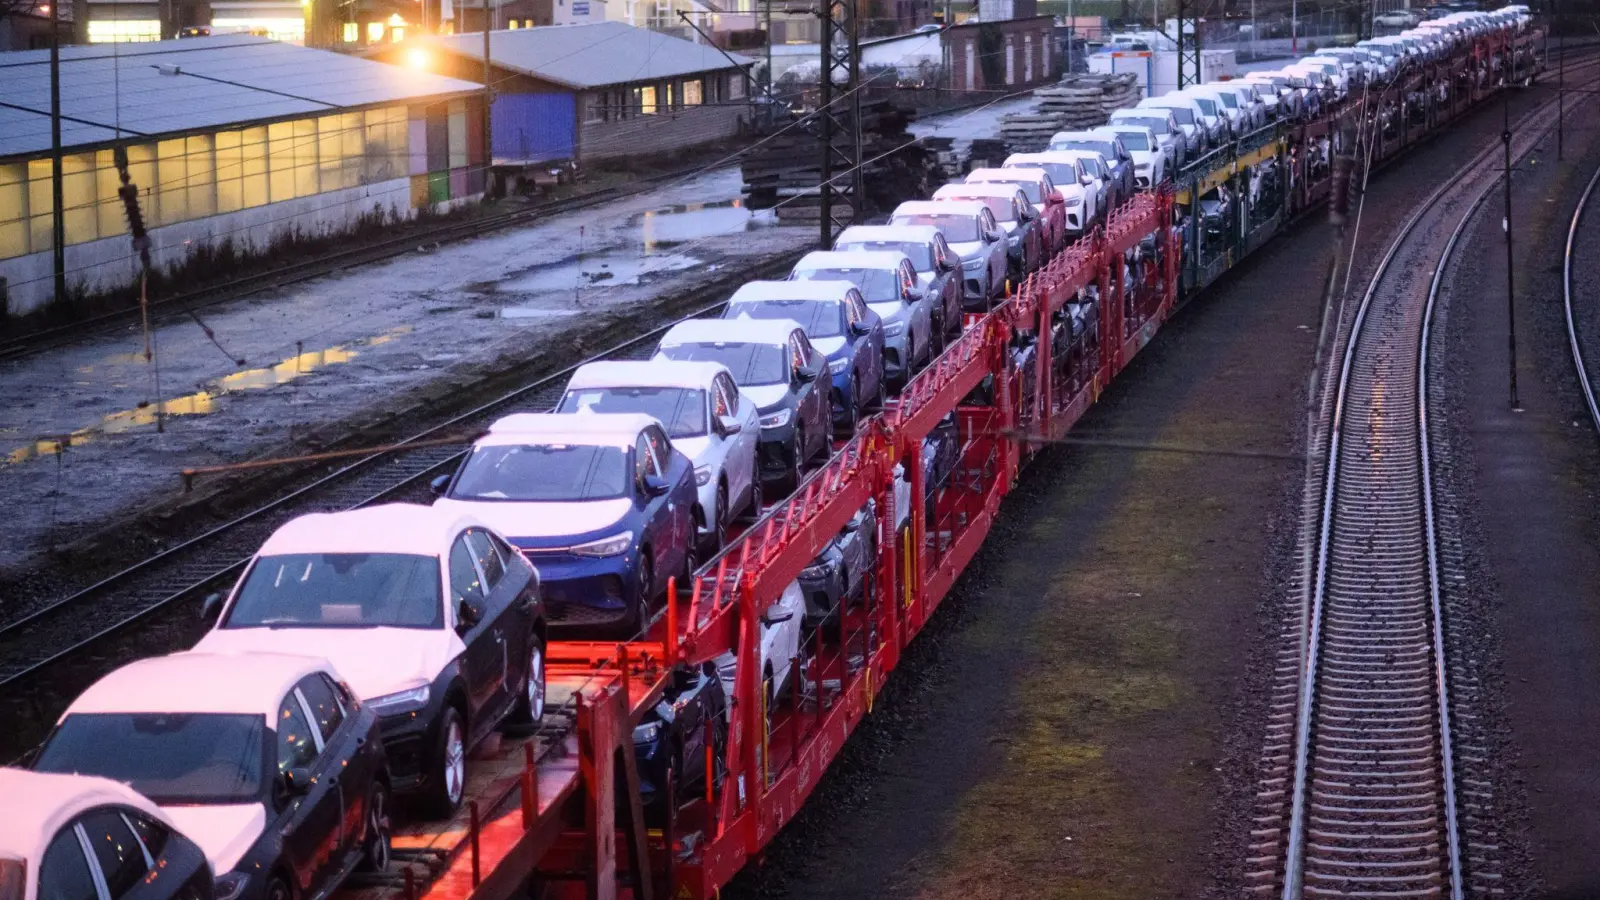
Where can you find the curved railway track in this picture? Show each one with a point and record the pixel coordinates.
(1574, 333)
(1362, 796)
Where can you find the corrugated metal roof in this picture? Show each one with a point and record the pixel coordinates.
(219, 81)
(591, 55)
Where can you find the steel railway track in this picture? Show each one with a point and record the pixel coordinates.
(1574, 340)
(1364, 799)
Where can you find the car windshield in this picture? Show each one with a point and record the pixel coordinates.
(542, 473)
(1183, 114)
(1229, 99)
(817, 318)
(877, 285)
(1060, 173)
(751, 364)
(1104, 148)
(172, 758)
(681, 410)
(339, 590)
(1207, 105)
(1000, 207)
(920, 254)
(1134, 140)
(1154, 123)
(1029, 189)
(956, 228)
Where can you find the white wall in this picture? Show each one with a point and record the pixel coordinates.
(110, 264)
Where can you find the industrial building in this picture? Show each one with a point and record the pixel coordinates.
(593, 91)
(234, 143)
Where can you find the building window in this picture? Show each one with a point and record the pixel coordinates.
(374, 32)
(79, 218)
(200, 193)
(1011, 61)
(108, 206)
(645, 99)
(667, 104)
(124, 31)
(13, 210)
(352, 32)
(736, 86)
(172, 174)
(692, 92)
(514, 24)
(594, 108)
(1027, 58)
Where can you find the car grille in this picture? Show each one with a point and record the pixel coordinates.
(574, 614)
(405, 755)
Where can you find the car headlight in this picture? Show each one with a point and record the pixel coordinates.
(1142, 167)
(778, 419)
(973, 265)
(835, 367)
(606, 546)
(647, 733)
(398, 702)
(229, 886)
(702, 476)
(1074, 201)
(890, 329)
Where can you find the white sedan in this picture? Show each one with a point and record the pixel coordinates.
(780, 644)
(706, 417)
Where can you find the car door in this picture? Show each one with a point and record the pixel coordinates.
(739, 455)
(508, 627)
(310, 812)
(657, 532)
(482, 666)
(108, 853)
(815, 407)
(357, 768)
(681, 497)
(997, 249)
(921, 306)
(950, 278)
(873, 341)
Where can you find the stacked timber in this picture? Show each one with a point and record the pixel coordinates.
(784, 173)
(1079, 101)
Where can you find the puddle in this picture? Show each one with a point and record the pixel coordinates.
(529, 312)
(671, 225)
(204, 402)
(601, 270)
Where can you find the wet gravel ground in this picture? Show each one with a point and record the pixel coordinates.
(1529, 480)
(1084, 715)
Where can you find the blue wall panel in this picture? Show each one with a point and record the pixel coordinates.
(533, 127)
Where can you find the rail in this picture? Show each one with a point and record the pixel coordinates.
(1573, 340)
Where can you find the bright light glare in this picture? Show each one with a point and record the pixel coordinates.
(417, 58)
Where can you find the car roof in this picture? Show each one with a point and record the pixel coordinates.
(197, 681)
(774, 332)
(821, 289)
(1059, 157)
(585, 429)
(1076, 134)
(924, 233)
(1075, 154)
(617, 373)
(38, 804)
(385, 528)
(957, 190)
(940, 208)
(1143, 112)
(1006, 174)
(851, 259)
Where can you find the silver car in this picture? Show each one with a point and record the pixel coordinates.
(888, 282)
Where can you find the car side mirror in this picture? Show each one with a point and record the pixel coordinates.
(656, 486)
(729, 425)
(211, 607)
(850, 527)
(440, 484)
(467, 617)
(1086, 180)
(296, 782)
(771, 619)
(860, 328)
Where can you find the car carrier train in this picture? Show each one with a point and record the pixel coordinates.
(658, 761)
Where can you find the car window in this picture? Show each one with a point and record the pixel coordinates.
(988, 220)
(489, 562)
(722, 402)
(464, 579)
(857, 302)
(153, 835)
(121, 858)
(338, 590)
(64, 874)
(324, 702)
(644, 462)
(296, 747)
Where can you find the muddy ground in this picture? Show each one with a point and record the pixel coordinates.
(1083, 716)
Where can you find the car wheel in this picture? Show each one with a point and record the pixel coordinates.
(910, 361)
(719, 519)
(277, 889)
(691, 562)
(756, 499)
(862, 408)
(530, 705)
(880, 402)
(375, 852)
(647, 580)
(449, 782)
(797, 454)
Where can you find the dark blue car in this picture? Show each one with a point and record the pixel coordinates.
(602, 505)
(839, 324)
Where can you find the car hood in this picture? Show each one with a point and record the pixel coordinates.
(373, 661)
(693, 447)
(764, 396)
(966, 249)
(829, 346)
(1009, 226)
(924, 278)
(1144, 157)
(223, 832)
(543, 520)
(889, 312)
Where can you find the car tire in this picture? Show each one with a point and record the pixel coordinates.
(825, 451)
(797, 453)
(375, 849)
(530, 704)
(691, 562)
(753, 510)
(641, 607)
(277, 889)
(719, 520)
(448, 786)
(881, 402)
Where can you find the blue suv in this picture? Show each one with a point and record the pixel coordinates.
(838, 324)
(602, 505)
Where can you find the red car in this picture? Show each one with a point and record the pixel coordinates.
(1036, 185)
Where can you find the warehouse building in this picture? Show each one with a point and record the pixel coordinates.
(595, 91)
(235, 144)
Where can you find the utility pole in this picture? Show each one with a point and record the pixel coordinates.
(488, 103)
(1561, 80)
(1511, 294)
(1294, 26)
(840, 122)
(58, 229)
